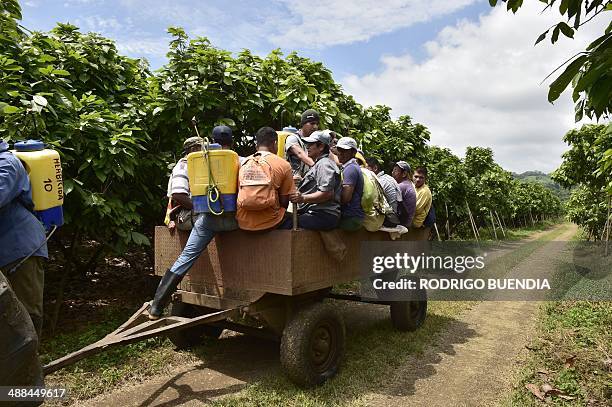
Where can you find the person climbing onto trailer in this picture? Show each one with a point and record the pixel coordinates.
(295, 147)
(352, 185)
(265, 182)
(401, 174)
(204, 230)
(318, 196)
(180, 208)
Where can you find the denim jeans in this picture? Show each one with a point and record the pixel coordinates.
(313, 221)
(205, 228)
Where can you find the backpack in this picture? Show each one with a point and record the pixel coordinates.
(373, 202)
(256, 189)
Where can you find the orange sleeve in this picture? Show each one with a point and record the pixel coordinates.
(287, 186)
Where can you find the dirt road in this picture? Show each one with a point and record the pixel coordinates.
(476, 371)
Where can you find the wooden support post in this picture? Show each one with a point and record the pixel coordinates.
(447, 222)
(499, 222)
(493, 224)
(437, 233)
(472, 222)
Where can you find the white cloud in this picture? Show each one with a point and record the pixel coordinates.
(480, 85)
(143, 47)
(103, 25)
(321, 23)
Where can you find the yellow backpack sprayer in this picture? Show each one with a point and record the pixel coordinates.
(213, 178)
(44, 168)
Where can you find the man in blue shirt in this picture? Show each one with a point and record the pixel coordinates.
(401, 174)
(352, 185)
(21, 235)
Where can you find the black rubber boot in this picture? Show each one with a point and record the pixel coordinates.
(165, 289)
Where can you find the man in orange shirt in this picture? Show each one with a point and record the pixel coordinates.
(265, 182)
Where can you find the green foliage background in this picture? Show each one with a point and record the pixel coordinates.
(119, 127)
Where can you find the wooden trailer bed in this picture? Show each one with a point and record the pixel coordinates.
(242, 266)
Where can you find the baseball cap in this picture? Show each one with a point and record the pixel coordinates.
(222, 135)
(308, 116)
(346, 143)
(192, 142)
(403, 165)
(320, 136)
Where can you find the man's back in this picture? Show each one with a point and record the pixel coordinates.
(408, 205)
(282, 182)
(390, 188)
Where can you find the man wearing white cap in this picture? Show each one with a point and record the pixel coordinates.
(318, 195)
(352, 185)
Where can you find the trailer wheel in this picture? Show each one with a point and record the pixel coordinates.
(409, 315)
(190, 337)
(312, 345)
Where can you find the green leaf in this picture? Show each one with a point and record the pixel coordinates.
(140, 239)
(11, 109)
(555, 34)
(566, 30)
(60, 72)
(40, 100)
(541, 37)
(68, 186)
(560, 84)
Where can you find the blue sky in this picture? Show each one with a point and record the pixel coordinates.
(467, 71)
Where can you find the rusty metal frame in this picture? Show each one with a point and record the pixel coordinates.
(137, 328)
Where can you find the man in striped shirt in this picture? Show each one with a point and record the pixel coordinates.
(178, 184)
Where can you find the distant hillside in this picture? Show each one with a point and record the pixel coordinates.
(544, 179)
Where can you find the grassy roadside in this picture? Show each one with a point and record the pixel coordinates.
(571, 357)
(111, 369)
(373, 352)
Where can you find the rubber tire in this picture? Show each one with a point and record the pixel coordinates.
(190, 337)
(296, 348)
(408, 316)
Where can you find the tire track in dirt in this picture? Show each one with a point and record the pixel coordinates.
(477, 372)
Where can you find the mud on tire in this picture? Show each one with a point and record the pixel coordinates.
(312, 344)
(409, 315)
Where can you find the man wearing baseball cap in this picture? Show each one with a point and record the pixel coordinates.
(204, 230)
(401, 174)
(352, 185)
(318, 196)
(295, 149)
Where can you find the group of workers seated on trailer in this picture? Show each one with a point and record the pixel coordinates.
(332, 177)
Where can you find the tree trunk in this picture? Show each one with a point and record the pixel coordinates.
(69, 266)
(608, 225)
